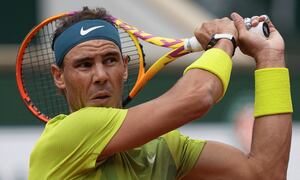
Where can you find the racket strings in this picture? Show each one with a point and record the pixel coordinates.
(60, 102)
(130, 49)
(36, 74)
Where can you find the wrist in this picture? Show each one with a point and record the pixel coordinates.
(270, 64)
(223, 41)
(226, 45)
(270, 59)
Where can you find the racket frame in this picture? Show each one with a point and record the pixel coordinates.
(24, 95)
(178, 46)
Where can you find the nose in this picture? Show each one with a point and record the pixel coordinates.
(99, 74)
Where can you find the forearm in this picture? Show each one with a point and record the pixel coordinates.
(194, 94)
(271, 134)
(201, 86)
(271, 145)
(206, 79)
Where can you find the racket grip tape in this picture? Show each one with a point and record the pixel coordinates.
(192, 45)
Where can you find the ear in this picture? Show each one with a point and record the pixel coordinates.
(58, 77)
(125, 61)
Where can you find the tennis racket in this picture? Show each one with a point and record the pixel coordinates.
(35, 56)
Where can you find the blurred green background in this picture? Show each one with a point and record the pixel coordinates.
(16, 25)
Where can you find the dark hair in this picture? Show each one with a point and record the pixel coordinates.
(86, 13)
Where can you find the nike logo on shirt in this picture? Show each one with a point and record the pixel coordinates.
(85, 32)
(151, 159)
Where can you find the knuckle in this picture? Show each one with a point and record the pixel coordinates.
(225, 19)
(240, 21)
(242, 37)
(204, 25)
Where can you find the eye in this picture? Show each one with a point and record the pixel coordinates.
(84, 64)
(110, 60)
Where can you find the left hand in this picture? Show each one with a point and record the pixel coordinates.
(204, 32)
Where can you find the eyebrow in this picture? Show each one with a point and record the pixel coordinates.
(87, 58)
(80, 60)
(115, 53)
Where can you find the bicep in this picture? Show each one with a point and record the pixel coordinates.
(221, 161)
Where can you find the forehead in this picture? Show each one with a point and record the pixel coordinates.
(96, 46)
(97, 43)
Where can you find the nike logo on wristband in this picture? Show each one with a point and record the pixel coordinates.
(85, 32)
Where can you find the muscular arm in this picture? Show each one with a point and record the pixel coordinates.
(269, 155)
(190, 98)
(268, 158)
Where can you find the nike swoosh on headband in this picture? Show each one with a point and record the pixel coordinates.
(85, 32)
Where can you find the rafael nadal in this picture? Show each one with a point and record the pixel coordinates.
(101, 140)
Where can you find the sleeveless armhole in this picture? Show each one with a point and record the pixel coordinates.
(185, 151)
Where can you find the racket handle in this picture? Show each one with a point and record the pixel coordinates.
(192, 45)
(262, 28)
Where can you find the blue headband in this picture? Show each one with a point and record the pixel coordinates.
(84, 31)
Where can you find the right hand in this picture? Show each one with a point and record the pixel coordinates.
(268, 52)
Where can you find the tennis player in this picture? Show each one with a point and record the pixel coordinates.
(101, 140)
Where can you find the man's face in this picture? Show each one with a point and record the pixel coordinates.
(92, 75)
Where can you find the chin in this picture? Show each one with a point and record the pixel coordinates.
(101, 103)
(98, 105)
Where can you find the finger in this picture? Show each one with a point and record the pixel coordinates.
(254, 21)
(225, 19)
(238, 22)
(254, 17)
(266, 19)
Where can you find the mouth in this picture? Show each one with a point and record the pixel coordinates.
(101, 97)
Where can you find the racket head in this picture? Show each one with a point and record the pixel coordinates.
(33, 74)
